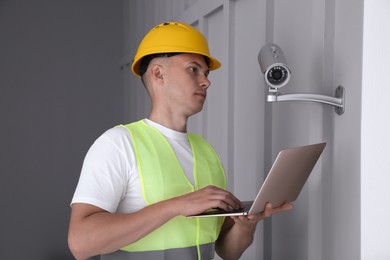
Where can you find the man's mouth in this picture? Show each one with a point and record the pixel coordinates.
(201, 94)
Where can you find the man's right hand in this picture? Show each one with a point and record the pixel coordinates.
(203, 199)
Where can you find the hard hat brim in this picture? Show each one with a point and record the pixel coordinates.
(213, 63)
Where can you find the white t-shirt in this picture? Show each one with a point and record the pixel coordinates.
(109, 177)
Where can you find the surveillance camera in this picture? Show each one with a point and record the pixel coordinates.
(273, 65)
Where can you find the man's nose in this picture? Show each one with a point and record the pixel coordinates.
(205, 82)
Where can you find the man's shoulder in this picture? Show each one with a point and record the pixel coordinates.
(116, 135)
(116, 132)
(130, 125)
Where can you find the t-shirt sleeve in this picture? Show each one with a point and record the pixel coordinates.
(104, 174)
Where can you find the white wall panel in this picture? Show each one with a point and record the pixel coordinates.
(218, 94)
(249, 35)
(348, 55)
(322, 41)
(375, 177)
(299, 123)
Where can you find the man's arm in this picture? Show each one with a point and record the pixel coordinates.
(93, 231)
(237, 232)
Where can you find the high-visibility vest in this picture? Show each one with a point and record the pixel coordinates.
(162, 178)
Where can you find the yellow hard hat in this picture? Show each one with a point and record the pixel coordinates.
(173, 37)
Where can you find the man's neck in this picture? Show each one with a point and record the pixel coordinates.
(178, 124)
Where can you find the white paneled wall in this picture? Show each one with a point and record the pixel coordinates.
(323, 43)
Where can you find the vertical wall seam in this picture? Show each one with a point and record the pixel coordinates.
(231, 92)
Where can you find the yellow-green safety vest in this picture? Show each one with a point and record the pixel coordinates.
(161, 178)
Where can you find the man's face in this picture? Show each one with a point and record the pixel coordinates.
(186, 83)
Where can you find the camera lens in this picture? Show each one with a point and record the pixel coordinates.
(277, 75)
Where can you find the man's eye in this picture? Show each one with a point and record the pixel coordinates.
(194, 70)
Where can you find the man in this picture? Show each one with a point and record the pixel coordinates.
(140, 181)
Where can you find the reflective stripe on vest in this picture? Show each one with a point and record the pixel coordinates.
(206, 252)
(162, 178)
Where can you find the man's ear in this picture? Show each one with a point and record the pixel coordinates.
(157, 71)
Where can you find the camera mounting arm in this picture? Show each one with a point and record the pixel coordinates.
(338, 101)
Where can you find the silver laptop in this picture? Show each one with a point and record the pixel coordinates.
(284, 181)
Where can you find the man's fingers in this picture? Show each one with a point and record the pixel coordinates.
(223, 199)
(269, 210)
(207, 198)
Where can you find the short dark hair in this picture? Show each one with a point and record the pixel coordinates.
(148, 58)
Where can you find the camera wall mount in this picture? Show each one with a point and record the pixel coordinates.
(338, 101)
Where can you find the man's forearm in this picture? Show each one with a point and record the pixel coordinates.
(233, 242)
(103, 232)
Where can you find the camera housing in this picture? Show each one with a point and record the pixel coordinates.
(273, 65)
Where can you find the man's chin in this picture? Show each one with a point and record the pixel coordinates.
(197, 110)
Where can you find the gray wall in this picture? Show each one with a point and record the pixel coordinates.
(342, 212)
(60, 87)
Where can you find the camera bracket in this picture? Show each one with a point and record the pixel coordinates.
(338, 101)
